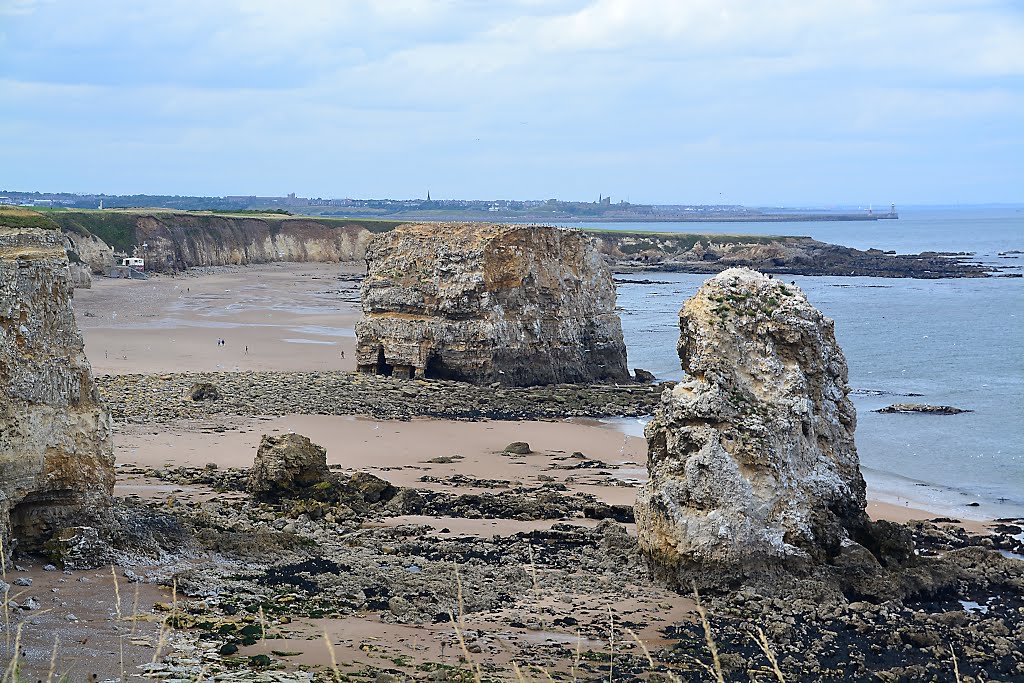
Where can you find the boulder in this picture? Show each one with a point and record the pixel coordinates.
(370, 488)
(204, 391)
(287, 466)
(643, 376)
(518, 448)
(56, 451)
(79, 547)
(751, 458)
(511, 305)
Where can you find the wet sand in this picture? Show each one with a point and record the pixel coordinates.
(291, 316)
(405, 452)
(97, 636)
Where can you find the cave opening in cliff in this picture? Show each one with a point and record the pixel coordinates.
(436, 369)
(382, 365)
(31, 519)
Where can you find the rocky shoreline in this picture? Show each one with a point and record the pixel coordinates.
(159, 398)
(251, 576)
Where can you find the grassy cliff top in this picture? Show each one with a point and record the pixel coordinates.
(20, 217)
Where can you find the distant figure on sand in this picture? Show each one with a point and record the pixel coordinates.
(247, 349)
(342, 354)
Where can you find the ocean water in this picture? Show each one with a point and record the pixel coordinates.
(956, 342)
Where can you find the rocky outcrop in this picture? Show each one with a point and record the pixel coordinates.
(56, 454)
(752, 459)
(286, 466)
(92, 251)
(922, 408)
(512, 304)
(158, 398)
(707, 253)
(80, 275)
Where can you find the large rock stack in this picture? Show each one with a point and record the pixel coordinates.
(513, 304)
(752, 460)
(56, 453)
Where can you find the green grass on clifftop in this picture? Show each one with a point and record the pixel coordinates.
(18, 217)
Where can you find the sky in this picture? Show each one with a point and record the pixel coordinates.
(757, 102)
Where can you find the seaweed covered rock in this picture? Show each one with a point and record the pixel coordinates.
(510, 304)
(287, 466)
(56, 452)
(752, 459)
(204, 391)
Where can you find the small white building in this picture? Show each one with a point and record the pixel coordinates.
(134, 263)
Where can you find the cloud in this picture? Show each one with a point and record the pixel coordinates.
(19, 7)
(518, 93)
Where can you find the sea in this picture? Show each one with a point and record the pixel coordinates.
(950, 342)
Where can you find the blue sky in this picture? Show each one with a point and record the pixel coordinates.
(756, 102)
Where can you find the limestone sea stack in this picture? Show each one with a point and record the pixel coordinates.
(512, 304)
(752, 460)
(56, 453)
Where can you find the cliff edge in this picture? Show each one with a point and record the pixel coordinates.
(56, 453)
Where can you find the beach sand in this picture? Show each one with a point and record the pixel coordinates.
(291, 316)
(404, 452)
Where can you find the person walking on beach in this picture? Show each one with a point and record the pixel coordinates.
(343, 354)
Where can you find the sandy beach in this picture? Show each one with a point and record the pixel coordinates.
(428, 453)
(280, 316)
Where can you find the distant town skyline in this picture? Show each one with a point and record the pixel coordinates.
(731, 102)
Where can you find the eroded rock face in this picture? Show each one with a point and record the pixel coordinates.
(56, 453)
(286, 466)
(517, 305)
(752, 460)
(94, 253)
(181, 241)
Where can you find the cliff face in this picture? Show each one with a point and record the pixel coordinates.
(94, 253)
(517, 305)
(752, 459)
(181, 241)
(56, 454)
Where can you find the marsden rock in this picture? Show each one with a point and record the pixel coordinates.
(286, 466)
(752, 459)
(56, 452)
(513, 304)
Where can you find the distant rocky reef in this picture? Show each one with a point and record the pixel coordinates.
(56, 453)
(482, 303)
(695, 253)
